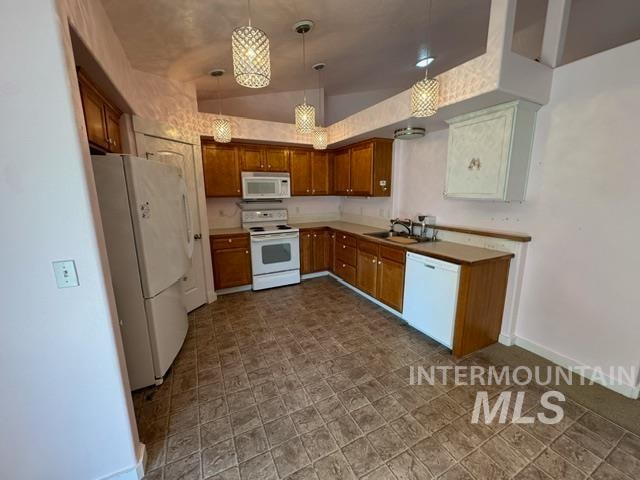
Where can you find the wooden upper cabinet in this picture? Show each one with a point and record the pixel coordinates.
(101, 118)
(321, 173)
(113, 129)
(276, 159)
(341, 169)
(300, 161)
(221, 168)
(364, 169)
(361, 170)
(252, 158)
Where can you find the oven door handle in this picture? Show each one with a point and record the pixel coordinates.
(265, 238)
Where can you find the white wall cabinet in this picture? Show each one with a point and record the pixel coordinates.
(489, 152)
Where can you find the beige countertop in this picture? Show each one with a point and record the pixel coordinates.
(227, 231)
(443, 250)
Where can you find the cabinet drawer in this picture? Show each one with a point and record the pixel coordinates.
(346, 239)
(345, 254)
(395, 254)
(346, 272)
(368, 247)
(222, 243)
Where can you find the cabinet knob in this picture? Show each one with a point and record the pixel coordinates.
(269, 166)
(315, 236)
(344, 246)
(246, 251)
(375, 260)
(230, 240)
(379, 262)
(343, 265)
(343, 236)
(307, 190)
(238, 190)
(313, 191)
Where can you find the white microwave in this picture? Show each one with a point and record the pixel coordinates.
(265, 185)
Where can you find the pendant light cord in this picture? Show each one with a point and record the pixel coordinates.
(426, 70)
(304, 71)
(249, 10)
(219, 98)
(320, 103)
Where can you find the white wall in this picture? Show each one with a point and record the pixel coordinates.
(579, 300)
(64, 401)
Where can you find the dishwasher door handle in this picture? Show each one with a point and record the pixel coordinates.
(429, 266)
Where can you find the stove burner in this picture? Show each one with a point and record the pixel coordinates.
(257, 229)
(283, 227)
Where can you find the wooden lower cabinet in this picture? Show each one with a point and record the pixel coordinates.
(380, 273)
(315, 250)
(345, 257)
(231, 258)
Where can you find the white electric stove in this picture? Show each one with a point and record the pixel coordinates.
(275, 248)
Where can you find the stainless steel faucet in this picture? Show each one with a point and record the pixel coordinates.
(397, 221)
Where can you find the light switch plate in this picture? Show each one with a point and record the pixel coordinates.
(66, 275)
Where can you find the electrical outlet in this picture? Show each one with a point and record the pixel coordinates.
(65, 272)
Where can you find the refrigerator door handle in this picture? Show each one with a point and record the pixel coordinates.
(187, 217)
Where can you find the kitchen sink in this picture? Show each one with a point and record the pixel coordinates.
(398, 237)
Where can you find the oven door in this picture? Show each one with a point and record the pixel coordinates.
(275, 253)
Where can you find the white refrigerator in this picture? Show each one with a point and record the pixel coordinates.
(147, 227)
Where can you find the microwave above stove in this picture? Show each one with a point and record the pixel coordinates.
(265, 185)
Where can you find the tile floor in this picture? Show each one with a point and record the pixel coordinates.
(311, 382)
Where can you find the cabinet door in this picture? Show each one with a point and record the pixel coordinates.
(277, 159)
(306, 251)
(221, 171)
(320, 173)
(390, 283)
(94, 117)
(341, 172)
(478, 156)
(252, 158)
(112, 118)
(367, 272)
(300, 172)
(362, 169)
(321, 250)
(231, 267)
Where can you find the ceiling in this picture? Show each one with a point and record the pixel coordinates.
(368, 46)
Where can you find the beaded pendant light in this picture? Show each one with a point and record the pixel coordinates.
(426, 92)
(305, 114)
(221, 126)
(320, 134)
(251, 58)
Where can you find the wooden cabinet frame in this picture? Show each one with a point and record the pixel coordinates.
(101, 117)
(363, 169)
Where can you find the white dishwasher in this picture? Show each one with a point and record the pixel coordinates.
(431, 296)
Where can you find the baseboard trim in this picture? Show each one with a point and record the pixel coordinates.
(585, 371)
(227, 291)
(507, 340)
(134, 473)
(368, 297)
(308, 276)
